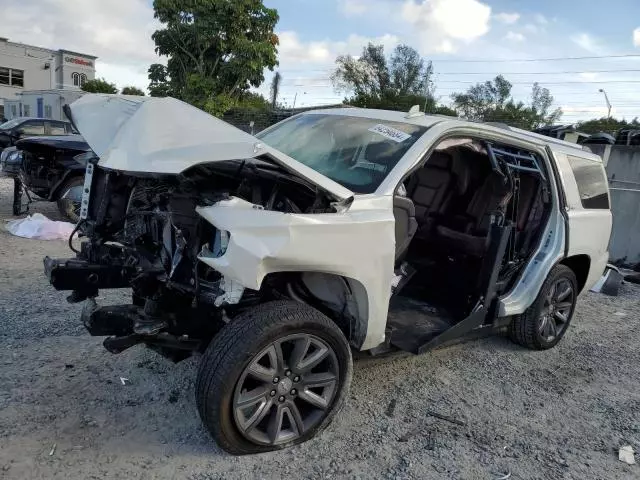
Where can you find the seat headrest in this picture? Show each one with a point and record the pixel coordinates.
(439, 160)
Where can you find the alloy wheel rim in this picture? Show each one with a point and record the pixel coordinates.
(557, 310)
(286, 389)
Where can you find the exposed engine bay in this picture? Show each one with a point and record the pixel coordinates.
(144, 233)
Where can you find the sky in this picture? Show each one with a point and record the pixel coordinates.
(468, 41)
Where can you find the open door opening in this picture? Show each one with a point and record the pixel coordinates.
(467, 221)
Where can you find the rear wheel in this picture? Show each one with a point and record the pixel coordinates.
(273, 377)
(68, 208)
(546, 321)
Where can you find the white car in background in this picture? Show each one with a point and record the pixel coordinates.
(275, 255)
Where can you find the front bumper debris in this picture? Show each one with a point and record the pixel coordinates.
(80, 275)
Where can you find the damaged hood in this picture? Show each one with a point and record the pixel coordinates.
(165, 135)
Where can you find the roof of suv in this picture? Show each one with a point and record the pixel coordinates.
(430, 120)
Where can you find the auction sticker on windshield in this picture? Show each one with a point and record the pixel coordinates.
(390, 133)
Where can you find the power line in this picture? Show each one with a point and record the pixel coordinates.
(553, 59)
(538, 73)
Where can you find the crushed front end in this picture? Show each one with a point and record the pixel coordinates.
(141, 231)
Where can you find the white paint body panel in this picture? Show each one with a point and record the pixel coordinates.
(589, 229)
(358, 244)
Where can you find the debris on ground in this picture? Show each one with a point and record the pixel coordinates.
(125, 381)
(391, 409)
(633, 278)
(625, 454)
(445, 418)
(53, 450)
(506, 476)
(610, 282)
(39, 227)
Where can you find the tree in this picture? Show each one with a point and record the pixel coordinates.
(607, 125)
(491, 101)
(132, 91)
(159, 85)
(398, 83)
(275, 89)
(99, 85)
(216, 49)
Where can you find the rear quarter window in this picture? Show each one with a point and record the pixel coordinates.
(592, 182)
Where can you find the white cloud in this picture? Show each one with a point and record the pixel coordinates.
(439, 24)
(508, 18)
(531, 28)
(541, 19)
(293, 51)
(118, 32)
(588, 75)
(636, 37)
(515, 37)
(586, 42)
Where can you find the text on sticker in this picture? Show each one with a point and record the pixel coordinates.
(390, 133)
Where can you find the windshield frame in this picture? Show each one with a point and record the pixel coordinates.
(374, 171)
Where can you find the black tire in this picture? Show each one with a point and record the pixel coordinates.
(236, 347)
(68, 208)
(528, 329)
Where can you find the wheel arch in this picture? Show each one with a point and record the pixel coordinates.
(69, 175)
(345, 300)
(580, 265)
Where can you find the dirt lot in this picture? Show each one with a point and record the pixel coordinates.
(65, 414)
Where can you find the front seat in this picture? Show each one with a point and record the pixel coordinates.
(468, 233)
(430, 188)
(406, 225)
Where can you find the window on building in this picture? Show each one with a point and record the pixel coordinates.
(14, 111)
(75, 76)
(33, 127)
(5, 76)
(11, 76)
(83, 79)
(26, 110)
(17, 78)
(592, 182)
(48, 111)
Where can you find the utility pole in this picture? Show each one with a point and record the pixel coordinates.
(606, 98)
(294, 101)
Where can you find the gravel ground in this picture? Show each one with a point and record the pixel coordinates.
(64, 413)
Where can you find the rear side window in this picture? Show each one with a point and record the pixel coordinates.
(592, 182)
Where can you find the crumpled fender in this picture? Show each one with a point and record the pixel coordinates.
(358, 244)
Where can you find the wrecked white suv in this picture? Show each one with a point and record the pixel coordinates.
(275, 255)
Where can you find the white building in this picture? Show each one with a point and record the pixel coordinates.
(32, 76)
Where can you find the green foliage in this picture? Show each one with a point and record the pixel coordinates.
(607, 125)
(371, 77)
(99, 85)
(132, 91)
(402, 81)
(491, 101)
(159, 81)
(216, 49)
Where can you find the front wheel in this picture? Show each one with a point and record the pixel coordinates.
(546, 321)
(272, 378)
